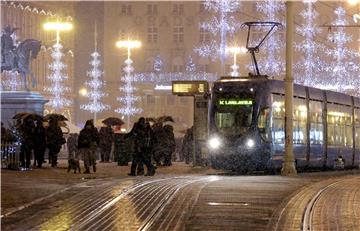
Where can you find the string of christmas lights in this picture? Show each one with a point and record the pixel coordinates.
(272, 62)
(310, 66)
(221, 26)
(57, 88)
(129, 99)
(95, 84)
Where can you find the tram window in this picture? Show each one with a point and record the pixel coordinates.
(234, 121)
(357, 128)
(263, 123)
(316, 126)
(299, 122)
(278, 117)
(339, 125)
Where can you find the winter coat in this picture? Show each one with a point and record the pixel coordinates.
(40, 137)
(88, 138)
(106, 136)
(54, 137)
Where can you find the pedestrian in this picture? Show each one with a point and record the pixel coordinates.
(72, 146)
(54, 141)
(168, 144)
(141, 138)
(187, 145)
(39, 143)
(121, 149)
(27, 132)
(87, 143)
(106, 140)
(158, 138)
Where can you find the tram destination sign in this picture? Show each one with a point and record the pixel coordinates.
(189, 88)
(234, 102)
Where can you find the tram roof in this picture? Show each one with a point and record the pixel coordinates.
(277, 86)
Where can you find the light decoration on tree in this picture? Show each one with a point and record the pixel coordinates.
(95, 85)
(57, 77)
(272, 63)
(10, 80)
(129, 99)
(157, 76)
(235, 51)
(310, 65)
(190, 65)
(221, 25)
(344, 68)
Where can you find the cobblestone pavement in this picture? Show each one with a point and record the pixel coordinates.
(177, 198)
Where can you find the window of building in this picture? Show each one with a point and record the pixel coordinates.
(178, 34)
(126, 9)
(178, 9)
(150, 99)
(152, 34)
(202, 7)
(152, 9)
(204, 68)
(204, 36)
(177, 68)
(170, 99)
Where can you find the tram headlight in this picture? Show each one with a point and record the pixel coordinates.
(214, 143)
(250, 143)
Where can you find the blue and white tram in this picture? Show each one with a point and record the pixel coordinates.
(247, 125)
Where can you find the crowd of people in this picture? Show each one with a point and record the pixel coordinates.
(147, 145)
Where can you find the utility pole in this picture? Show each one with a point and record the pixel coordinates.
(288, 167)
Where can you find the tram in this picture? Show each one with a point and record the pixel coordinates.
(247, 125)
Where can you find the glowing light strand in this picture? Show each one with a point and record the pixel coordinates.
(129, 99)
(221, 26)
(95, 84)
(57, 88)
(344, 67)
(272, 63)
(310, 66)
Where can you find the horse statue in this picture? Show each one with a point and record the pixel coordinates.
(17, 57)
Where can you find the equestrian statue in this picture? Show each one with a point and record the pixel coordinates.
(16, 57)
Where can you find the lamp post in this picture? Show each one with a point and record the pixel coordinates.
(57, 89)
(129, 99)
(58, 26)
(235, 51)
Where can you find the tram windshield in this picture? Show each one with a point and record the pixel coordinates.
(233, 116)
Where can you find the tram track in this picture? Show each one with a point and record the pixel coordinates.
(332, 204)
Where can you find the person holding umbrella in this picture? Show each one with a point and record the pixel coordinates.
(87, 142)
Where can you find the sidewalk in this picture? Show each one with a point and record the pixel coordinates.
(23, 187)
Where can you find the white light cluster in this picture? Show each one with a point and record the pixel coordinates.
(343, 69)
(190, 65)
(310, 66)
(220, 26)
(95, 85)
(272, 63)
(167, 78)
(57, 78)
(10, 80)
(128, 100)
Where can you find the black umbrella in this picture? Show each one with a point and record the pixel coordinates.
(54, 116)
(164, 119)
(20, 115)
(113, 121)
(33, 116)
(150, 120)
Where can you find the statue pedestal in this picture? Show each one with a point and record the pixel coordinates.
(13, 102)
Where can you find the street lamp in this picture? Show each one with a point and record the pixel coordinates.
(57, 68)
(129, 99)
(235, 51)
(58, 26)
